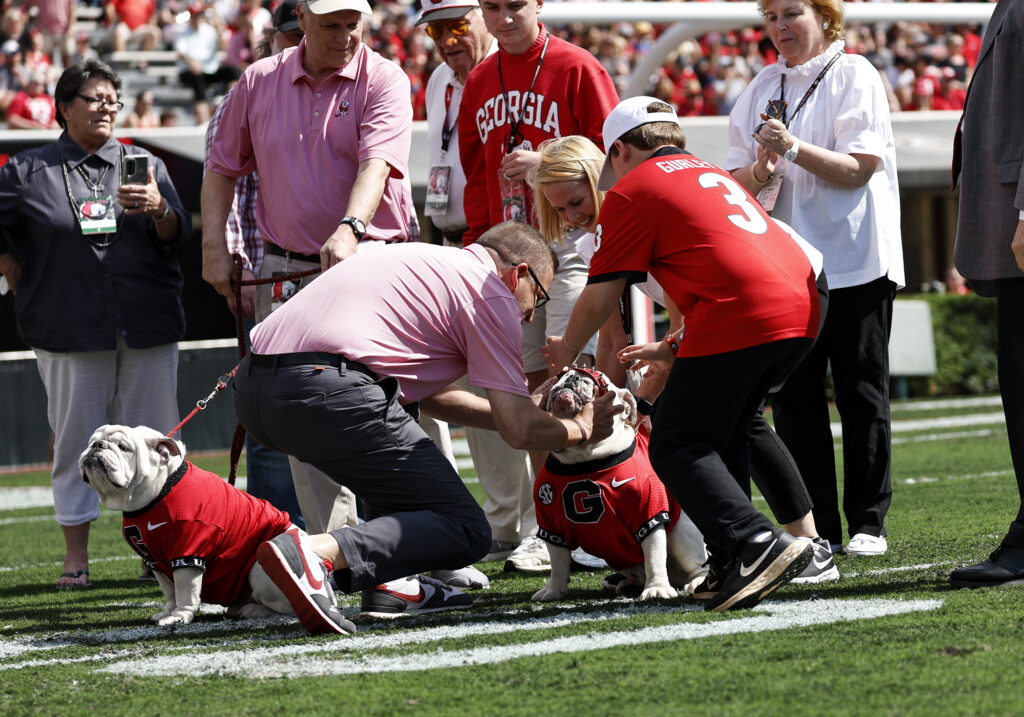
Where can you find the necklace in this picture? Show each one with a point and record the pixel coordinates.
(95, 188)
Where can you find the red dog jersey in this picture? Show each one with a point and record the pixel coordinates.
(201, 521)
(605, 506)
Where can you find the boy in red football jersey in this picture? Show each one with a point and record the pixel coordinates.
(750, 297)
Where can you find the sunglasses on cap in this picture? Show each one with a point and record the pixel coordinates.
(458, 28)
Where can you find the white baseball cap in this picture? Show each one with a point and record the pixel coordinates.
(435, 10)
(322, 7)
(628, 114)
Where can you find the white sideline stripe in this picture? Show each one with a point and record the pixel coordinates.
(13, 498)
(924, 438)
(944, 404)
(10, 568)
(26, 519)
(923, 424)
(250, 664)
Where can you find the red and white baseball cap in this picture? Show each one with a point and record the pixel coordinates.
(628, 114)
(321, 7)
(435, 10)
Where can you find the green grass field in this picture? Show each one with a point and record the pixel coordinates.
(891, 637)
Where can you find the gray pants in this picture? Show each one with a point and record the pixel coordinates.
(420, 516)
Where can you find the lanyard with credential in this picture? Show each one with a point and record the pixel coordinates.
(447, 129)
(514, 137)
(810, 90)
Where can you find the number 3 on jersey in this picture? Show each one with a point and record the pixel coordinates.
(751, 219)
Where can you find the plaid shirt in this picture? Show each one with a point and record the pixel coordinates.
(241, 233)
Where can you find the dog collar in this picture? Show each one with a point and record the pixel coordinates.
(596, 376)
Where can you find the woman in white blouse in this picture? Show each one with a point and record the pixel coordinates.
(811, 137)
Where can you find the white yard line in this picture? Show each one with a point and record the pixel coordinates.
(295, 661)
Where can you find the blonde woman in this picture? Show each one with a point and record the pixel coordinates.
(567, 203)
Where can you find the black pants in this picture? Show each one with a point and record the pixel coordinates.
(772, 467)
(1010, 333)
(351, 426)
(855, 340)
(700, 440)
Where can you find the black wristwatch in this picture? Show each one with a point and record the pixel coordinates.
(358, 227)
(643, 406)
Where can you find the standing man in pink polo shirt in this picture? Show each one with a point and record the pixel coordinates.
(328, 126)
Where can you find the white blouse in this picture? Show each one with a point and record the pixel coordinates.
(857, 230)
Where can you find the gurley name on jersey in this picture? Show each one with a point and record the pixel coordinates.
(494, 114)
(674, 165)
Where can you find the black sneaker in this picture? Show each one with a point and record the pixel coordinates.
(306, 581)
(412, 596)
(759, 569)
(712, 581)
(1005, 566)
(822, 567)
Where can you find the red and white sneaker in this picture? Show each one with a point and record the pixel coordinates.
(306, 581)
(412, 596)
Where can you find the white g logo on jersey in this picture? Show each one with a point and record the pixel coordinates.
(597, 238)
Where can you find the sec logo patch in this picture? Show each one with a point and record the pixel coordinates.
(546, 494)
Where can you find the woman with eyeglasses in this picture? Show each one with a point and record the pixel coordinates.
(811, 137)
(94, 267)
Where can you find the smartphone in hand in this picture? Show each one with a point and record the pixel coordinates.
(135, 169)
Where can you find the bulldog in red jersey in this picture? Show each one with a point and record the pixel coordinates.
(605, 498)
(196, 532)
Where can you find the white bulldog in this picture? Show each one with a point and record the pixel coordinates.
(198, 533)
(605, 498)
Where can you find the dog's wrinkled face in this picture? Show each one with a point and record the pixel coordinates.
(573, 390)
(127, 466)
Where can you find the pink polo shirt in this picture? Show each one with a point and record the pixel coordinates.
(425, 314)
(307, 140)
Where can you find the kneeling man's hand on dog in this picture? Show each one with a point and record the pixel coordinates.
(605, 409)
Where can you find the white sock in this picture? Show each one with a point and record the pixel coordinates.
(762, 537)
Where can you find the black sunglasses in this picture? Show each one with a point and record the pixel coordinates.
(776, 109)
(544, 296)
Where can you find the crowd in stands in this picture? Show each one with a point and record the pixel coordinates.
(924, 66)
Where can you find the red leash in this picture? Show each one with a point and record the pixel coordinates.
(221, 384)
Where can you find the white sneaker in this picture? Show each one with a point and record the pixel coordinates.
(822, 567)
(531, 556)
(863, 544)
(411, 596)
(467, 577)
(590, 562)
